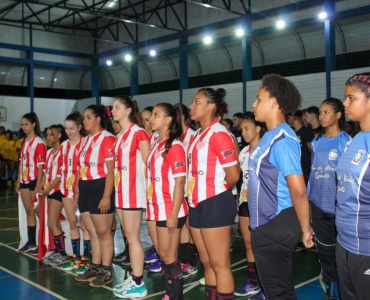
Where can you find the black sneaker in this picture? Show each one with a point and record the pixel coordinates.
(126, 261)
(120, 257)
(27, 248)
(89, 275)
(104, 277)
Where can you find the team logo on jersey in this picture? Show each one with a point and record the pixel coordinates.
(179, 164)
(358, 157)
(333, 154)
(254, 153)
(200, 145)
(41, 157)
(123, 144)
(227, 153)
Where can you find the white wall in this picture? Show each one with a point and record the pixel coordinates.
(54, 111)
(49, 111)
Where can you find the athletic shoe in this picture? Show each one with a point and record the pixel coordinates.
(188, 270)
(83, 266)
(202, 281)
(126, 261)
(58, 259)
(152, 257)
(248, 289)
(104, 276)
(155, 267)
(259, 296)
(129, 289)
(120, 257)
(27, 248)
(49, 257)
(72, 264)
(89, 275)
(34, 252)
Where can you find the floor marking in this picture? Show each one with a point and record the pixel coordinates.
(3, 218)
(12, 243)
(10, 229)
(33, 284)
(306, 282)
(6, 209)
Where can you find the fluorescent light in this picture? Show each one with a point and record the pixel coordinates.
(280, 24)
(153, 53)
(128, 57)
(323, 15)
(239, 32)
(108, 62)
(207, 40)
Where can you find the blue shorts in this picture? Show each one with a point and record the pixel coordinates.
(217, 211)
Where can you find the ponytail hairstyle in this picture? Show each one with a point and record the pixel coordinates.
(60, 129)
(184, 111)
(218, 98)
(175, 128)
(128, 102)
(33, 119)
(101, 112)
(78, 118)
(361, 82)
(251, 117)
(338, 107)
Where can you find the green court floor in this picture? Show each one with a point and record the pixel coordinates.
(22, 277)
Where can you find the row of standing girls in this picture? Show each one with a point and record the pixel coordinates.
(277, 212)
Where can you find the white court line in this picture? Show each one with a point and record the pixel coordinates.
(3, 218)
(306, 282)
(9, 229)
(32, 283)
(6, 209)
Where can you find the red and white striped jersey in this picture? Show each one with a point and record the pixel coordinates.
(129, 168)
(69, 155)
(209, 153)
(95, 151)
(161, 174)
(33, 154)
(186, 137)
(153, 138)
(52, 169)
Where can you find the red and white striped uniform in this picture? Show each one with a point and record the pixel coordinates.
(129, 168)
(52, 169)
(209, 153)
(153, 138)
(33, 154)
(70, 155)
(186, 137)
(95, 151)
(161, 174)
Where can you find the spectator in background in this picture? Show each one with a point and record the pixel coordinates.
(312, 118)
(352, 128)
(237, 119)
(305, 137)
(145, 115)
(228, 123)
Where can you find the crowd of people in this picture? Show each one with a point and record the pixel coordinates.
(289, 175)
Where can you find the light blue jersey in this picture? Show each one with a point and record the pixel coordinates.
(276, 156)
(352, 215)
(322, 185)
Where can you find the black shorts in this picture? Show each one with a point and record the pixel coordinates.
(180, 223)
(30, 186)
(130, 209)
(217, 211)
(244, 210)
(56, 196)
(91, 192)
(2, 158)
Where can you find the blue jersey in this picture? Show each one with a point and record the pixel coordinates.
(322, 185)
(276, 156)
(352, 215)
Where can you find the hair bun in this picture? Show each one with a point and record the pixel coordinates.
(221, 92)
